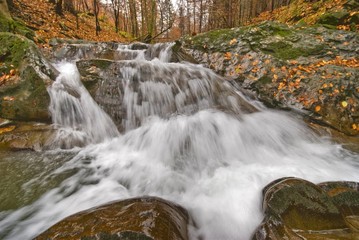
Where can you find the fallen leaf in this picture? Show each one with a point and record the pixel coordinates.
(6, 129)
(344, 104)
(233, 41)
(317, 108)
(7, 98)
(227, 55)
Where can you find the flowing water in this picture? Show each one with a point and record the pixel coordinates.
(186, 136)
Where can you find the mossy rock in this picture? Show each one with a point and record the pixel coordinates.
(91, 73)
(8, 24)
(27, 136)
(334, 18)
(138, 218)
(297, 209)
(24, 97)
(301, 205)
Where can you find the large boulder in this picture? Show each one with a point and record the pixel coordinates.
(146, 218)
(298, 209)
(25, 76)
(305, 68)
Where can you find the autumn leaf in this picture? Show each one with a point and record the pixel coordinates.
(227, 55)
(344, 104)
(233, 41)
(6, 129)
(7, 98)
(317, 108)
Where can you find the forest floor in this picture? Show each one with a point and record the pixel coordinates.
(309, 12)
(40, 16)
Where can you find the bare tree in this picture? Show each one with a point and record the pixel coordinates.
(96, 7)
(116, 6)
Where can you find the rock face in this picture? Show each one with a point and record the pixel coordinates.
(298, 209)
(23, 95)
(307, 68)
(138, 218)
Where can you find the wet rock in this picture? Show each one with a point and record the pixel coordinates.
(137, 218)
(23, 95)
(26, 136)
(303, 68)
(173, 90)
(298, 209)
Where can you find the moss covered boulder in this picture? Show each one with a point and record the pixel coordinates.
(25, 74)
(334, 18)
(145, 218)
(304, 68)
(298, 209)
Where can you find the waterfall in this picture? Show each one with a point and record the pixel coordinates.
(79, 119)
(187, 136)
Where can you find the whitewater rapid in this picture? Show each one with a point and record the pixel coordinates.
(213, 163)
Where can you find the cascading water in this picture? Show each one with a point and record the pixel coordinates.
(79, 119)
(186, 138)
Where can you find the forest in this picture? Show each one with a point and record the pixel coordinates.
(155, 20)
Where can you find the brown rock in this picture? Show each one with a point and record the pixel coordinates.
(136, 218)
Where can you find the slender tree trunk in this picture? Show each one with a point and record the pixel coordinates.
(58, 7)
(96, 7)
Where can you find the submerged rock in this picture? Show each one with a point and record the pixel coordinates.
(298, 209)
(138, 218)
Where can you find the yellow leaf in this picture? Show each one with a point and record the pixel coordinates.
(7, 129)
(233, 41)
(227, 55)
(344, 104)
(7, 98)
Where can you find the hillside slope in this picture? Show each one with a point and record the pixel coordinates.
(40, 16)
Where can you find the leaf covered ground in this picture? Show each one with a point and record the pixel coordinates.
(40, 16)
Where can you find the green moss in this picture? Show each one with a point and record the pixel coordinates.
(264, 80)
(217, 40)
(15, 26)
(13, 49)
(333, 18)
(277, 29)
(286, 51)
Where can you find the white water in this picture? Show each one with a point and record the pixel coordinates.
(211, 162)
(79, 119)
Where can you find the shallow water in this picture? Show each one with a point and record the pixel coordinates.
(213, 162)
